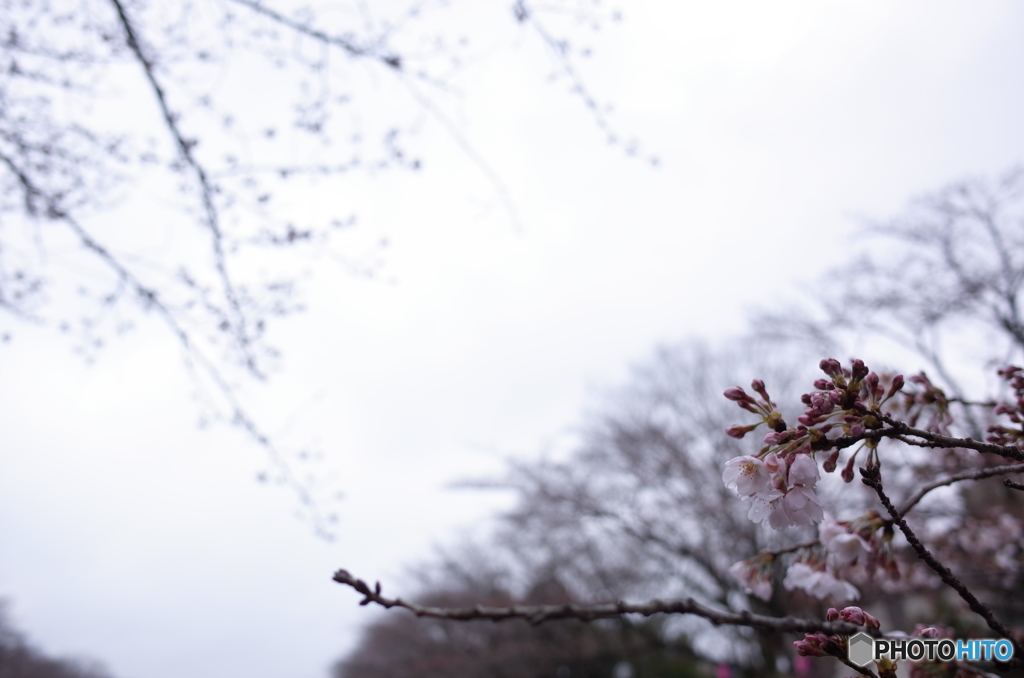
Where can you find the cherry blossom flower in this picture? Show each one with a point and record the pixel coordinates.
(842, 545)
(754, 576)
(818, 583)
(803, 471)
(746, 476)
(768, 506)
(802, 506)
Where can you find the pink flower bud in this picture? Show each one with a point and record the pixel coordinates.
(811, 645)
(832, 614)
(829, 465)
(853, 614)
(929, 632)
(736, 393)
(859, 370)
(872, 622)
(847, 473)
(758, 387)
(738, 431)
(897, 385)
(857, 429)
(830, 366)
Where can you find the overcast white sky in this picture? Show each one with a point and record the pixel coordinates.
(129, 535)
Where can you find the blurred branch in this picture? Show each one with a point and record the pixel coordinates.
(206, 190)
(37, 201)
(536, 614)
(390, 60)
(967, 475)
(1012, 485)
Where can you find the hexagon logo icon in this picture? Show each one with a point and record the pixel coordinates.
(861, 649)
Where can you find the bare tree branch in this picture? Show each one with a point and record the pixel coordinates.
(151, 299)
(537, 614)
(898, 428)
(206, 190)
(966, 475)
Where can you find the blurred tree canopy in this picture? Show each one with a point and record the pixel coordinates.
(638, 509)
(20, 659)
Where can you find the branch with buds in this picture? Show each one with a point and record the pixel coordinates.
(537, 614)
(855, 405)
(852, 407)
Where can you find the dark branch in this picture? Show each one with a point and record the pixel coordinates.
(536, 614)
(897, 429)
(1012, 485)
(872, 478)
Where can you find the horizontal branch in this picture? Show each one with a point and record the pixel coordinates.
(899, 428)
(966, 475)
(536, 614)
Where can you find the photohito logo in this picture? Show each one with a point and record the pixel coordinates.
(863, 649)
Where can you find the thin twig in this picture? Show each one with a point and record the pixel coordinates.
(37, 201)
(389, 60)
(206, 190)
(872, 478)
(1012, 485)
(536, 614)
(966, 475)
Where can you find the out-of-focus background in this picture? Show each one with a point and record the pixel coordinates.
(483, 251)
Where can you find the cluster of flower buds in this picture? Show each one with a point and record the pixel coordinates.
(1003, 435)
(767, 410)
(822, 645)
(849, 401)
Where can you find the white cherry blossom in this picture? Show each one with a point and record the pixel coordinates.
(844, 546)
(753, 578)
(803, 471)
(819, 583)
(746, 476)
(802, 506)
